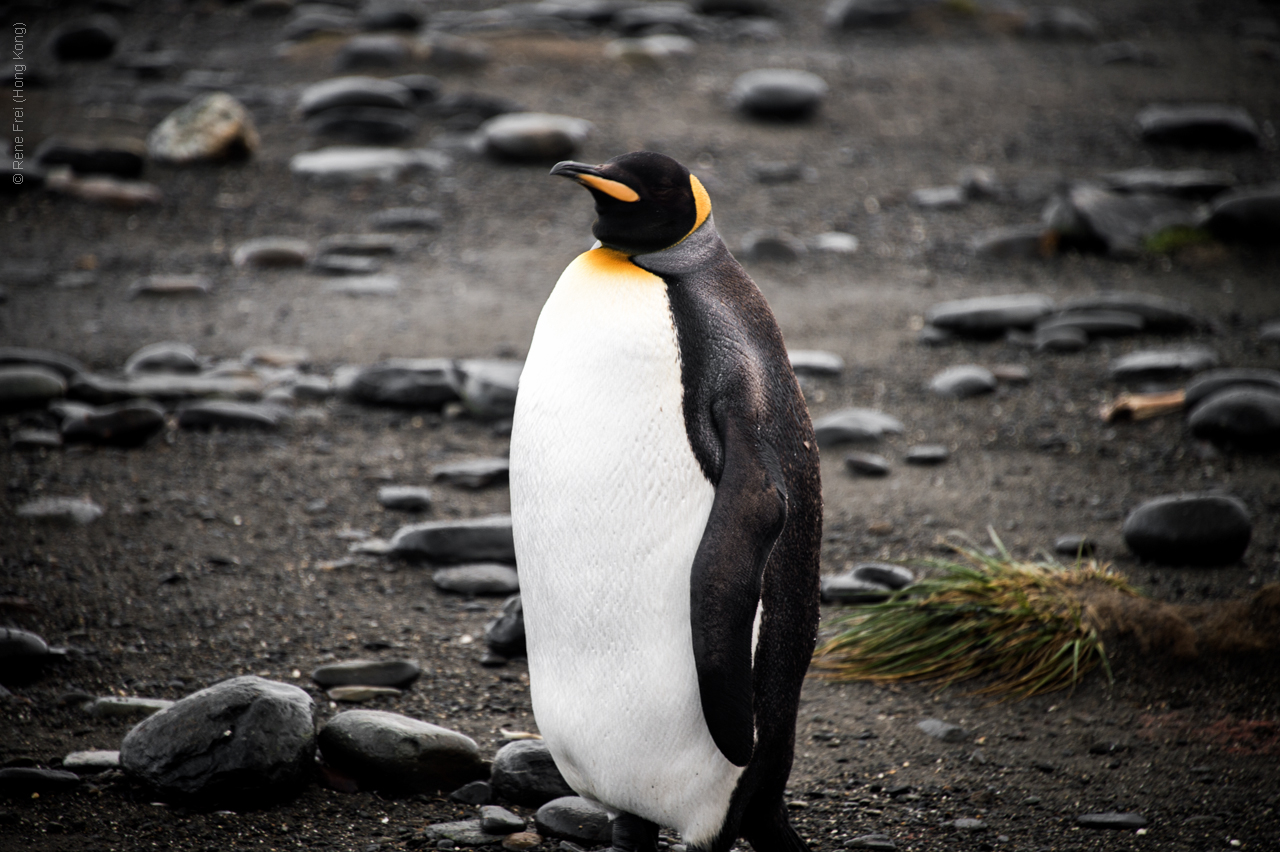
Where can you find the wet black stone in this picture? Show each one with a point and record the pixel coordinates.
(1241, 417)
(927, 454)
(120, 157)
(1213, 381)
(1248, 215)
(504, 635)
(87, 39)
(1199, 126)
(475, 793)
(525, 773)
(1112, 820)
(125, 424)
(1189, 529)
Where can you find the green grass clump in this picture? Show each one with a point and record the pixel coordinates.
(1175, 238)
(1024, 625)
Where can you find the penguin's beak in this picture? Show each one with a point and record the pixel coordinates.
(590, 177)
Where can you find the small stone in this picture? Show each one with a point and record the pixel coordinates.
(1211, 382)
(525, 773)
(405, 498)
(164, 357)
(365, 245)
(91, 762)
(884, 573)
(276, 356)
(465, 833)
(927, 455)
(372, 51)
(1158, 312)
(389, 751)
(1061, 23)
(353, 92)
(970, 825)
(504, 635)
(836, 242)
(1153, 365)
(987, 315)
(271, 252)
(124, 424)
(1189, 183)
(479, 579)
(939, 198)
(656, 49)
(416, 383)
(239, 741)
(814, 362)
(392, 15)
(944, 731)
(171, 285)
(23, 655)
(772, 245)
(848, 589)
(121, 157)
(61, 510)
(213, 126)
(1075, 545)
(1093, 323)
(978, 182)
(1249, 215)
(361, 694)
(364, 125)
(35, 439)
(777, 93)
(30, 781)
(113, 707)
(1120, 821)
(473, 473)
(1013, 374)
(1016, 241)
(778, 171)
(86, 39)
(344, 164)
(457, 541)
(1242, 417)
(163, 386)
(407, 219)
(29, 386)
(867, 14)
(474, 793)
(879, 842)
(521, 840)
(575, 819)
(499, 820)
(963, 381)
(855, 425)
(487, 387)
(377, 286)
(391, 673)
(1199, 126)
(1189, 529)
(531, 137)
(866, 464)
(225, 414)
(931, 335)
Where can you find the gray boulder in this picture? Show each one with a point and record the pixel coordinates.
(1189, 529)
(525, 773)
(389, 751)
(450, 542)
(242, 740)
(575, 819)
(1241, 417)
(504, 635)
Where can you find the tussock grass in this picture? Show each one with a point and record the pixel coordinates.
(1025, 627)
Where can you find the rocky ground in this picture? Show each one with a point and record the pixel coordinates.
(226, 552)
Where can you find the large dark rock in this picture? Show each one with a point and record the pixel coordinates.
(575, 819)
(1189, 529)
(1199, 126)
(410, 382)
(525, 773)
(389, 751)
(86, 39)
(504, 635)
(1158, 313)
(1247, 215)
(396, 673)
(23, 655)
(989, 315)
(778, 93)
(242, 740)
(111, 156)
(125, 424)
(1240, 417)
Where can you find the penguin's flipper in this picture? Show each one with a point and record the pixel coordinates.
(747, 515)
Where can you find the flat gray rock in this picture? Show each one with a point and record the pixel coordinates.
(466, 833)
(65, 365)
(575, 819)
(242, 740)
(61, 510)
(29, 386)
(1241, 417)
(126, 706)
(870, 14)
(1189, 529)
(1112, 820)
(534, 137)
(495, 819)
(353, 91)
(473, 473)
(866, 464)
(963, 381)
(226, 414)
(1162, 364)
(113, 155)
(778, 93)
(884, 573)
(389, 751)
(163, 286)
(1093, 323)
(483, 579)
(944, 731)
(364, 125)
(1212, 381)
(450, 542)
(985, 315)
(394, 673)
(878, 842)
(23, 655)
(939, 198)
(846, 588)
(341, 164)
(1060, 338)
(926, 454)
(853, 425)
(1249, 215)
(1060, 23)
(164, 357)
(525, 773)
(487, 386)
(1189, 183)
(405, 498)
(165, 387)
(372, 51)
(367, 245)
(28, 781)
(1158, 313)
(410, 382)
(1199, 126)
(91, 762)
(376, 286)
(1075, 544)
(271, 252)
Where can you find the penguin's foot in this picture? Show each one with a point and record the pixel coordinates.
(634, 834)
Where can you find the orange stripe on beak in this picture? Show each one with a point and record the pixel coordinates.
(611, 188)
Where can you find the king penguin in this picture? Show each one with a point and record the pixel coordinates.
(667, 513)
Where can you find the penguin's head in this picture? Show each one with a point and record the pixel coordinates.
(645, 202)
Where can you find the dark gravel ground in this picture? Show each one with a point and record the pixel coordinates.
(221, 553)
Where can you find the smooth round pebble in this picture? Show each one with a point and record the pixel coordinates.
(1189, 529)
(963, 381)
(866, 464)
(926, 454)
(778, 93)
(532, 137)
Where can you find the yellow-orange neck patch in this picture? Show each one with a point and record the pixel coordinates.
(611, 188)
(701, 200)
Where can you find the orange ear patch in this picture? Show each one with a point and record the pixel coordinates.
(611, 188)
(702, 202)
